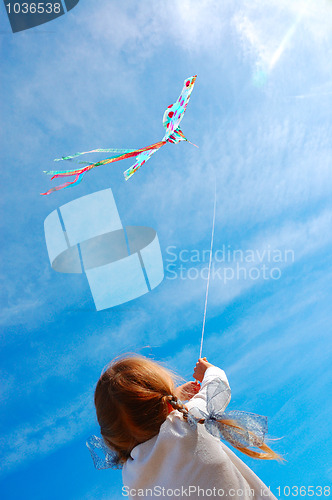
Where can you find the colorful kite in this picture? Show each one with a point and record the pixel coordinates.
(171, 121)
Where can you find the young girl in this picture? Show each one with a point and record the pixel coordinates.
(172, 450)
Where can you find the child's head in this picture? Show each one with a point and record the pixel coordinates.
(131, 402)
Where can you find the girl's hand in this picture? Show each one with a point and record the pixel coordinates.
(201, 366)
(187, 390)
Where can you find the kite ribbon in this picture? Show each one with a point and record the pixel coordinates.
(80, 171)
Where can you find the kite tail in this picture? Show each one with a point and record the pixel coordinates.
(112, 150)
(142, 155)
(77, 180)
(141, 159)
(65, 173)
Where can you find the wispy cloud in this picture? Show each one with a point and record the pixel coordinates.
(268, 35)
(47, 434)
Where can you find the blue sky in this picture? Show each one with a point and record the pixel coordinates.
(260, 112)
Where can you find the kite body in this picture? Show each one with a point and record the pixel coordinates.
(173, 134)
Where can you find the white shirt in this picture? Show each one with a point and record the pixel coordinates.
(182, 462)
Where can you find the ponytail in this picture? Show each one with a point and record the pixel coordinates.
(266, 454)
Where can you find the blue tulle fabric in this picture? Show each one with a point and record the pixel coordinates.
(252, 427)
(103, 457)
(251, 432)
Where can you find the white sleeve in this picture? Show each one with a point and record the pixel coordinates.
(199, 400)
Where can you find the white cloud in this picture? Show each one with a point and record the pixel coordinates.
(268, 30)
(45, 435)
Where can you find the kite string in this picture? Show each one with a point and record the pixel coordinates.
(210, 261)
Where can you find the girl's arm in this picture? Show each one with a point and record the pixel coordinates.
(186, 391)
(205, 372)
(189, 389)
